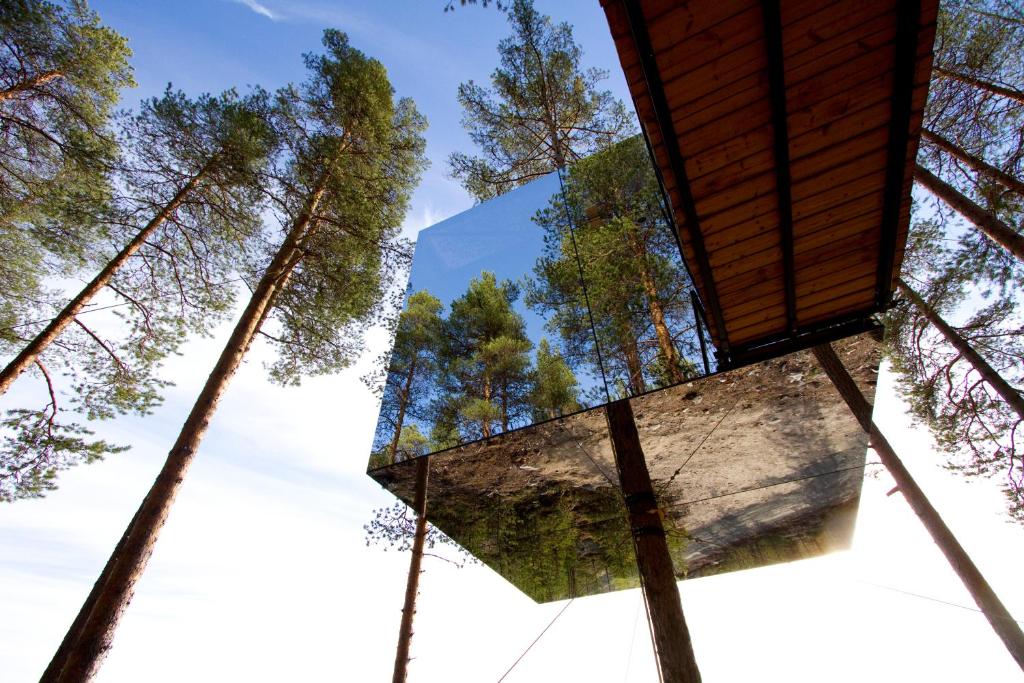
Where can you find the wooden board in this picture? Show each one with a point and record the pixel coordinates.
(847, 109)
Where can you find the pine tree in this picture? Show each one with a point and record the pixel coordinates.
(353, 157)
(410, 379)
(485, 377)
(543, 110)
(555, 388)
(195, 168)
(957, 337)
(630, 264)
(61, 73)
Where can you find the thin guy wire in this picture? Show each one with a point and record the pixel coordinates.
(768, 486)
(702, 442)
(589, 457)
(928, 597)
(539, 636)
(583, 286)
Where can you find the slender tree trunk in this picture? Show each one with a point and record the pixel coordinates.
(986, 221)
(34, 348)
(413, 583)
(403, 403)
(116, 584)
(504, 406)
(486, 422)
(29, 84)
(993, 88)
(633, 365)
(657, 312)
(998, 616)
(977, 163)
(987, 372)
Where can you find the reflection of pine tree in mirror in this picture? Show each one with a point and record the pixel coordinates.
(485, 383)
(409, 382)
(553, 544)
(637, 285)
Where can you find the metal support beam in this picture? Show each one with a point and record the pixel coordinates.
(698, 315)
(908, 19)
(780, 131)
(413, 582)
(672, 645)
(994, 610)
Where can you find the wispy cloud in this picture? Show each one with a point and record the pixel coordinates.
(259, 8)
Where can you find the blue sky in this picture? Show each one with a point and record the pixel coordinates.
(211, 45)
(262, 574)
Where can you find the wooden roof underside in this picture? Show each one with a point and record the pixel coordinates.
(785, 135)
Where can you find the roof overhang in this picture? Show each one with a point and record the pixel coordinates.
(785, 136)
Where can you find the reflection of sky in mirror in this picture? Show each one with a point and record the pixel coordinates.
(499, 236)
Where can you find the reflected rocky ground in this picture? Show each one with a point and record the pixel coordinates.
(758, 465)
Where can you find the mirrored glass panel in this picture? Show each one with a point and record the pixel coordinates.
(758, 465)
(754, 466)
(540, 506)
(556, 297)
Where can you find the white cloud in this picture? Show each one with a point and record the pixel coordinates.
(259, 8)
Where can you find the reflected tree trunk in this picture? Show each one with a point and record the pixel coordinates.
(633, 365)
(403, 403)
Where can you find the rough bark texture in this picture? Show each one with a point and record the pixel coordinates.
(34, 348)
(987, 372)
(996, 613)
(101, 613)
(671, 637)
(665, 344)
(412, 585)
(977, 163)
(29, 84)
(993, 88)
(986, 221)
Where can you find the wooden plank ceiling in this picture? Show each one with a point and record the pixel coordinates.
(785, 135)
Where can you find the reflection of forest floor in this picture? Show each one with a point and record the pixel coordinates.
(723, 453)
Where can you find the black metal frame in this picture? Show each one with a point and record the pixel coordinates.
(780, 130)
(908, 20)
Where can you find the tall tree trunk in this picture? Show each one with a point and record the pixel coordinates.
(669, 353)
(977, 163)
(991, 606)
(116, 585)
(402, 405)
(486, 422)
(413, 582)
(504, 406)
(633, 364)
(987, 372)
(1002, 91)
(986, 221)
(29, 84)
(34, 348)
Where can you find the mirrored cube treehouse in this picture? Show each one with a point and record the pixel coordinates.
(622, 351)
(525, 316)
